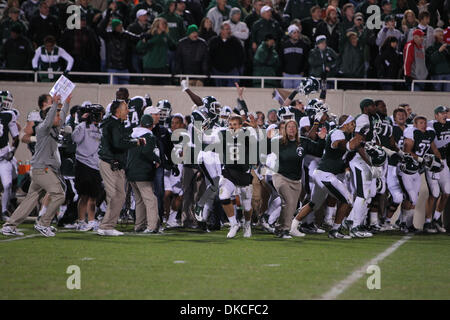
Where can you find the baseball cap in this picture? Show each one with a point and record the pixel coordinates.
(440, 109)
(320, 38)
(292, 28)
(151, 110)
(265, 9)
(389, 17)
(115, 23)
(146, 120)
(359, 16)
(418, 32)
(141, 12)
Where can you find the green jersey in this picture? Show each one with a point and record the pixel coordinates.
(333, 160)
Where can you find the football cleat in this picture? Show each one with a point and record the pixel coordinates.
(437, 224)
(112, 233)
(284, 234)
(233, 230)
(335, 234)
(198, 213)
(296, 233)
(247, 229)
(11, 231)
(429, 228)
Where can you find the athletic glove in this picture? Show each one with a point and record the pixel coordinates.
(184, 85)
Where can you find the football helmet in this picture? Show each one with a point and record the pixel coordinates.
(285, 113)
(165, 109)
(6, 99)
(225, 113)
(212, 106)
(309, 85)
(409, 165)
(432, 163)
(376, 154)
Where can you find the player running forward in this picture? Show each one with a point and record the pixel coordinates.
(438, 182)
(8, 126)
(329, 177)
(239, 146)
(418, 141)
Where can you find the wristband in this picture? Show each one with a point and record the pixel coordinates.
(347, 146)
(292, 95)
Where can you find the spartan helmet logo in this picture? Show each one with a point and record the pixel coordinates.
(309, 85)
(376, 153)
(300, 151)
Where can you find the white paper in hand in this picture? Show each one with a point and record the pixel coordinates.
(62, 87)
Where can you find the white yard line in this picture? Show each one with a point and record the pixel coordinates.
(334, 292)
(30, 236)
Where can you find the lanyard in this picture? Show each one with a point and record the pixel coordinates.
(48, 58)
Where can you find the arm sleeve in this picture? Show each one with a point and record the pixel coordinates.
(63, 113)
(409, 133)
(336, 136)
(121, 142)
(408, 58)
(37, 55)
(48, 121)
(242, 32)
(63, 54)
(13, 129)
(78, 132)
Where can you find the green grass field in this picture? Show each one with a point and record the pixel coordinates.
(187, 264)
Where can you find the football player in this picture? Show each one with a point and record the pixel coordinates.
(329, 177)
(8, 126)
(438, 182)
(165, 113)
(418, 141)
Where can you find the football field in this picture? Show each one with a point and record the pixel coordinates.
(189, 264)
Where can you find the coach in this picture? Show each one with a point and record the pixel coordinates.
(112, 153)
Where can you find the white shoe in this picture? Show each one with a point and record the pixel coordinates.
(71, 226)
(149, 231)
(266, 226)
(11, 231)
(87, 226)
(247, 229)
(112, 233)
(45, 231)
(233, 230)
(296, 233)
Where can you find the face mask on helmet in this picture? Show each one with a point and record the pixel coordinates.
(285, 114)
(409, 165)
(165, 109)
(308, 86)
(225, 113)
(376, 154)
(6, 100)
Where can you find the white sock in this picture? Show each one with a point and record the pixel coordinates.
(247, 223)
(402, 216)
(232, 220)
(274, 210)
(373, 218)
(172, 216)
(294, 224)
(409, 217)
(330, 213)
(437, 215)
(358, 206)
(42, 211)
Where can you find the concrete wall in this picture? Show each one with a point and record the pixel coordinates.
(26, 94)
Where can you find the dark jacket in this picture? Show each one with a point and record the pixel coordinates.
(17, 53)
(164, 143)
(117, 45)
(225, 56)
(207, 34)
(319, 60)
(332, 38)
(191, 57)
(438, 62)
(115, 141)
(352, 61)
(309, 27)
(40, 28)
(262, 27)
(388, 63)
(294, 57)
(84, 46)
(156, 51)
(299, 9)
(152, 11)
(141, 160)
(265, 63)
(90, 12)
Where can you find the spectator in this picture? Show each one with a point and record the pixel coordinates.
(352, 60)
(246, 7)
(48, 58)
(272, 117)
(174, 21)
(424, 21)
(238, 28)
(117, 44)
(275, 14)
(322, 60)
(122, 11)
(414, 60)
(303, 37)
(141, 165)
(264, 26)
(389, 62)
(329, 28)
(155, 49)
(266, 62)
(310, 23)
(347, 19)
(93, 15)
(388, 31)
(114, 145)
(14, 4)
(362, 7)
(139, 27)
(299, 9)
(30, 7)
(84, 46)
(17, 52)
(226, 56)
(402, 6)
(6, 25)
(186, 15)
(43, 24)
(152, 7)
(255, 15)
(409, 22)
(219, 14)
(438, 61)
(294, 56)
(206, 30)
(386, 6)
(192, 55)
(101, 5)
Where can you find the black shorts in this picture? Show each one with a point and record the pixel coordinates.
(88, 181)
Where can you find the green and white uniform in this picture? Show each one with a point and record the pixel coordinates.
(393, 182)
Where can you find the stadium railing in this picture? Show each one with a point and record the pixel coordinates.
(262, 79)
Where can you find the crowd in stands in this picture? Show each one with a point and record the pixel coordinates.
(404, 39)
